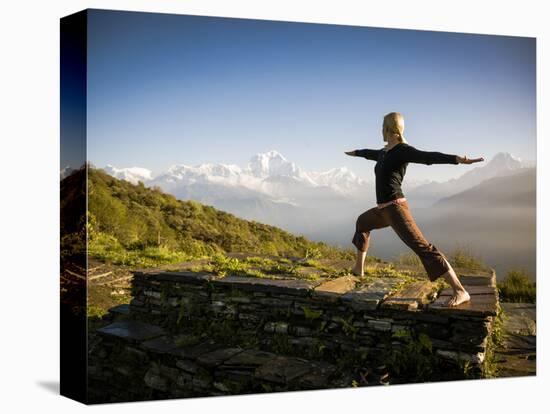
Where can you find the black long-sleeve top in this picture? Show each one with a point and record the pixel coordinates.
(391, 167)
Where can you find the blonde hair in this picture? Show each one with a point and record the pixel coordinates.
(395, 124)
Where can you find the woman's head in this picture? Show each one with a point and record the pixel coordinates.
(393, 126)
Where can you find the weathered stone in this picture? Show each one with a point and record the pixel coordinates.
(185, 380)
(476, 358)
(411, 297)
(396, 328)
(478, 305)
(521, 318)
(513, 342)
(187, 365)
(247, 359)
(275, 302)
(379, 325)
(131, 330)
(422, 316)
(336, 286)
(249, 317)
(235, 374)
(357, 323)
(479, 280)
(276, 327)
(303, 341)
(433, 330)
(173, 302)
(185, 277)
(369, 297)
(473, 290)
(195, 351)
(161, 345)
(217, 306)
(240, 299)
(301, 331)
(217, 357)
(221, 386)
(136, 303)
(294, 287)
(281, 370)
(123, 309)
(154, 380)
(132, 355)
(169, 372)
(202, 382)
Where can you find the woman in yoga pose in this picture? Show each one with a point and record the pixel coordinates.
(392, 208)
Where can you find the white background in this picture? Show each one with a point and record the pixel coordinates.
(29, 218)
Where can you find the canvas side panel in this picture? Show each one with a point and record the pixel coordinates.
(73, 261)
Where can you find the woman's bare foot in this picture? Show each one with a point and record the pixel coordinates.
(460, 296)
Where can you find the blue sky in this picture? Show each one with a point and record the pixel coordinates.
(168, 89)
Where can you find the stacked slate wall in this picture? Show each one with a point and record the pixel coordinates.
(192, 334)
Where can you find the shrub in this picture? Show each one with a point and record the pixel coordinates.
(464, 258)
(517, 287)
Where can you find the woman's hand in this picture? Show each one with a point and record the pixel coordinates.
(466, 160)
(352, 153)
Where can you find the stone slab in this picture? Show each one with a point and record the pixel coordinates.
(479, 280)
(123, 309)
(520, 342)
(161, 345)
(520, 318)
(196, 278)
(338, 286)
(249, 359)
(409, 298)
(369, 297)
(294, 287)
(217, 357)
(478, 305)
(472, 290)
(131, 330)
(195, 351)
(282, 370)
(319, 375)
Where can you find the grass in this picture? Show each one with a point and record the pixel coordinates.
(496, 339)
(408, 259)
(257, 266)
(463, 257)
(517, 287)
(108, 249)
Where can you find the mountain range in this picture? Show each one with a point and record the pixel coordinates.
(269, 178)
(495, 201)
(269, 174)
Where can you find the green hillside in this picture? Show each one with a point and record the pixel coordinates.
(136, 225)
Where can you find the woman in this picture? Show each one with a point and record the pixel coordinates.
(392, 207)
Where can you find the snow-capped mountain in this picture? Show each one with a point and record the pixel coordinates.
(270, 189)
(339, 179)
(502, 164)
(270, 164)
(132, 174)
(269, 174)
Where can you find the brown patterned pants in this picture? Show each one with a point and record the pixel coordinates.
(402, 222)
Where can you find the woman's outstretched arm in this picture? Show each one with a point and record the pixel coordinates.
(433, 157)
(369, 154)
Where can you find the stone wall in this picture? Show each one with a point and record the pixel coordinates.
(193, 334)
